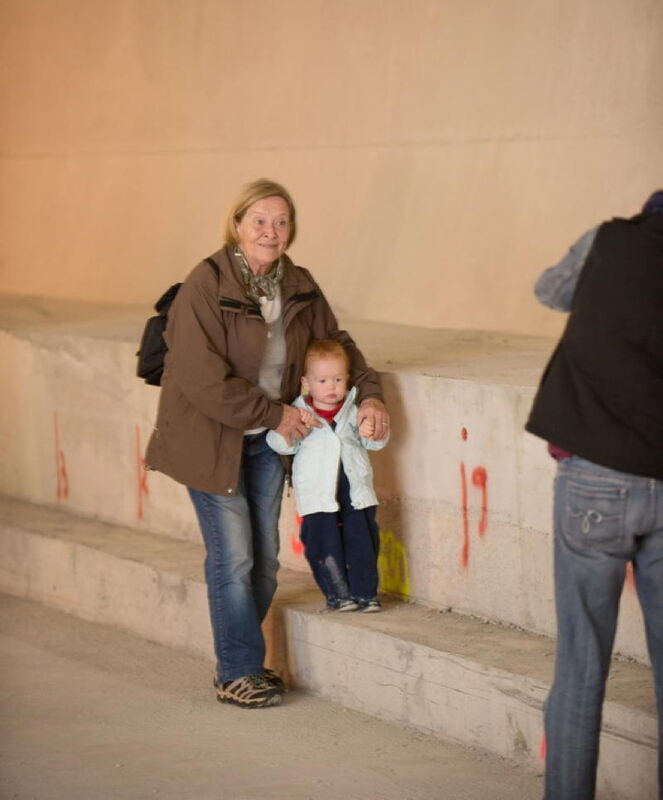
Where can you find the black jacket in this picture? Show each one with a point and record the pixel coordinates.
(601, 395)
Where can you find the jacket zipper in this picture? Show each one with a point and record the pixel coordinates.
(295, 304)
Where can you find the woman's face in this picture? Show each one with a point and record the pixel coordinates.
(263, 232)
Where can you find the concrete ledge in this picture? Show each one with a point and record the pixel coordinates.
(465, 494)
(474, 682)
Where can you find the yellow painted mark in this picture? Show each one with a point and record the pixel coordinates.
(393, 565)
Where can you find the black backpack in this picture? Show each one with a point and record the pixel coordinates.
(152, 349)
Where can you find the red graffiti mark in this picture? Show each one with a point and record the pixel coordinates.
(295, 543)
(142, 489)
(630, 576)
(62, 479)
(465, 549)
(480, 481)
(543, 748)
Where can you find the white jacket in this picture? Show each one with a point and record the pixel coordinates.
(317, 457)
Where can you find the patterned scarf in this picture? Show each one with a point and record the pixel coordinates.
(258, 286)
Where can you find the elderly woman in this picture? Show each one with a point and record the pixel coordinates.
(237, 334)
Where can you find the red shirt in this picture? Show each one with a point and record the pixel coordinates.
(327, 415)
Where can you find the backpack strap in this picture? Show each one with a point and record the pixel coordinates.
(163, 303)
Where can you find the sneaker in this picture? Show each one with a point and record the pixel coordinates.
(249, 691)
(276, 680)
(369, 606)
(347, 605)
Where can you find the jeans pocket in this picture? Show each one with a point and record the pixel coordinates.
(595, 515)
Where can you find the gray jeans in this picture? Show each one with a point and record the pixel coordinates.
(603, 520)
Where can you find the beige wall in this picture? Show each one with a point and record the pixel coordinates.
(441, 152)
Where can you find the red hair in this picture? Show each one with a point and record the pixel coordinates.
(321, 349)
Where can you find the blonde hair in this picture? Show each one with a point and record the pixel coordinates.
(320, 349)
(250, 194)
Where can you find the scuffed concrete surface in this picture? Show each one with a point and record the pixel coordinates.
(493, 646)
(90, 712)
(483, 356)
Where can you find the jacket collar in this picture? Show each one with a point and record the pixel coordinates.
(342, 415)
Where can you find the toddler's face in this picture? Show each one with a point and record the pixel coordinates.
(326, 380)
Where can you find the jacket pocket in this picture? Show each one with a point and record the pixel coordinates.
(189, 440)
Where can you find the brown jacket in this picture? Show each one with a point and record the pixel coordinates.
(216, 339)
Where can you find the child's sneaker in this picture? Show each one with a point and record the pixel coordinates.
(369, 606)
(344, 604)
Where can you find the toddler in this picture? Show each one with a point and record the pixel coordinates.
(333, 482)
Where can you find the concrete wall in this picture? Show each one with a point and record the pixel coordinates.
(442, 152)
(465, 493)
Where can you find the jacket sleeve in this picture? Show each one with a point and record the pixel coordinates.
(196, 361)
(326, 327)
(279, 444)
(370, 444)
(556, 285)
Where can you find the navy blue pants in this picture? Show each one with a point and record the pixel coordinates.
(342, 548)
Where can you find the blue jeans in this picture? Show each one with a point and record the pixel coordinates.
(341, 548)
(242, 543)
(603, 520)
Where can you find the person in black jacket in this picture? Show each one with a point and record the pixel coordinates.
(600, 407)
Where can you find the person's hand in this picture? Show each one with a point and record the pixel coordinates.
(372, 416)
(293, 427)
(367, 428)
(307, 417)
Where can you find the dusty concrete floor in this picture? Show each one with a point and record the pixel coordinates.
(90, 712)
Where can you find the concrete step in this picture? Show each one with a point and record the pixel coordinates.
(469, 681)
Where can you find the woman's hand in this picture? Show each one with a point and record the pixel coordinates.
(296, 424)
(373, 417)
